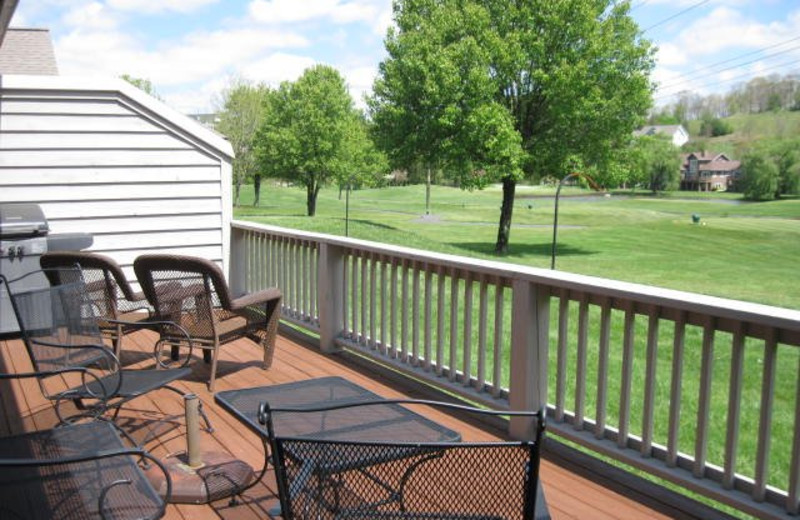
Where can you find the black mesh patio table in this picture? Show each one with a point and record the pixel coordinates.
(387, 422)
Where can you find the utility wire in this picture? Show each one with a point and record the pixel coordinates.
(679, 13)
(639, 4)
(732, 67)
(757, 73)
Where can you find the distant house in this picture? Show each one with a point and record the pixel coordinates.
(677, 133)
(703, 171)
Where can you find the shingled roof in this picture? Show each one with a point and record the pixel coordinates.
(28, 51)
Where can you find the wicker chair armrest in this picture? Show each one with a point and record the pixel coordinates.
(256, 298)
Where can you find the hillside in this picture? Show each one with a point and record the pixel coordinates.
(748, 129)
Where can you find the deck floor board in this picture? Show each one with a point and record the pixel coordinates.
(158, 418)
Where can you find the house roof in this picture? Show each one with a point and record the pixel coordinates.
(28, 51)
(721, 166)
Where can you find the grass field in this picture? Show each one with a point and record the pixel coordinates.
(740, 250)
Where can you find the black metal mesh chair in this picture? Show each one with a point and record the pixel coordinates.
(325, 479)
(72, 364)
(120, 310)
(80, 471)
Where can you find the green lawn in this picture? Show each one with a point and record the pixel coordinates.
(738, 250)
(744, 251)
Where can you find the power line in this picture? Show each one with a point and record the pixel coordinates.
(732, 67)
(716, 64)
(638, 5)
(757, 73)
(679, 13)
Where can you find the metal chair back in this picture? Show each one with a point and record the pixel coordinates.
(322, 478)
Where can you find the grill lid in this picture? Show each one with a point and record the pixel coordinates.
(19, 220)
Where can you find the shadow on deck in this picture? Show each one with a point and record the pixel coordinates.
(571, 490)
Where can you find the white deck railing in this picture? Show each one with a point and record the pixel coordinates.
(698, 390)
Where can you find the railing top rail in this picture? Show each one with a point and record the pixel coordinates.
(787, 319)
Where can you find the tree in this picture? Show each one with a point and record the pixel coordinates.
(503, 90)
(660, 163)
(307, 130)
(142, 84)
(760, 181)
(240, 116)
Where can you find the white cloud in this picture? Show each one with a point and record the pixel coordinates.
(277, 67)
(197, 57)
(359, 82)
(283, 11)
(158, 6)
(92, 15)
(670, 54)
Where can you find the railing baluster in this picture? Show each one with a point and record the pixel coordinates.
(627, 378)
(580, 369)
(561, 371)
(704, 399)
(676, 386)
(453, 361)
(373, 304)
(404, 313)
(793, 498)
(384, 298)
(466, 365)
(346, 297)
(306, 279)
(415, 317)
(393, 309)
(428, 317)
(248, 262)
(315, 282)
(354, 300)
(734, 407)
(499, 307)
(765, 417)
(480, 382)
(293, 268)
(440, 278)
(363, 295)
(650, 381)
(602, 370)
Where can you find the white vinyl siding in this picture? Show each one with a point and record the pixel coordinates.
(106, 159)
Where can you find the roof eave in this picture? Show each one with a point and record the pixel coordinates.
(7, 8)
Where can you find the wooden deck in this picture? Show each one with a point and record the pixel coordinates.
(569, 494)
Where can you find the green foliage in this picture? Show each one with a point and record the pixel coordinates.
(715, 127)
(142, 84)
(311, 134)
(572, 77)
(655, 162)
(240, 116)
(760, 180)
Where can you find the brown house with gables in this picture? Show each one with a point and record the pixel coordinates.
(703, 171)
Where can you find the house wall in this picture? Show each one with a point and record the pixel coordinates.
(102, 157)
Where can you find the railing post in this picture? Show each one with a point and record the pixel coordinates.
(237, 268)
(329, 294)
(530, 323)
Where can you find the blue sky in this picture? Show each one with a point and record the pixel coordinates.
(192, 49)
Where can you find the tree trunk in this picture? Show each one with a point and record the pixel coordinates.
(236, 187)
(312, 188)
(257, 188)
(503, 232)
(428, 193)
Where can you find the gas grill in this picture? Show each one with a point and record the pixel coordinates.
(24, 237)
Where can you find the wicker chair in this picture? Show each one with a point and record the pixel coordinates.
(333, 477)
(120, 310)
(192, 292)
(78, 471)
